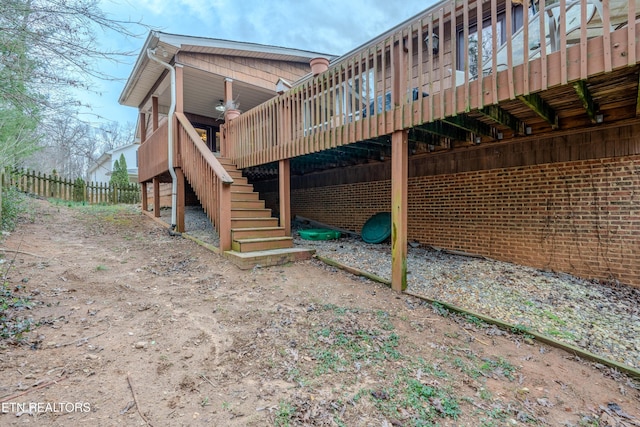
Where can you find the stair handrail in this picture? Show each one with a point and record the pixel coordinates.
(214, 192)
(216, 166)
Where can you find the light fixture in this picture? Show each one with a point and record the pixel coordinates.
(528, 130)
(499, 136)
(478, 140)
(435, 42)
(220, 107)
(599, 118)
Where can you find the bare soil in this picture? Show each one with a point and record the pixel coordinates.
(136, 327)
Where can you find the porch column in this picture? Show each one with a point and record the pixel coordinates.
(228, 90)
(177, 160)
(142, 126)
(154, 113)
(156, 197)
(180, 202)
(143, 198)
(399, 207)
(284, 178)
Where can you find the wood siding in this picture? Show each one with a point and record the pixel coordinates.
(258, 72)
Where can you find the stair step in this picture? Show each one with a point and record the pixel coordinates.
(248, 260)
(247, 204)
(248, 233)
(242, 188)
(261, 244)
(243, 195)
(234, 173)
(239, 180)
(250, 213)
(253, 222)
(226, 161)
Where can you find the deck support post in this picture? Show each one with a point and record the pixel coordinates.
(284, 178)
(399, 208)
(156, 197)
(142, 125)
(224, 227)
(154, 113)
(143, 197)
(177, 149)
(180, 201)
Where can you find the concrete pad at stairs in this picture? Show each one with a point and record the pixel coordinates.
(248, 260)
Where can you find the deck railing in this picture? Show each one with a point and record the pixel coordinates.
(153, 154)
(438, 65)
(209, 179)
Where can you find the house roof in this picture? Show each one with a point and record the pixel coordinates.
(100, 163)
(106, 157)
(146, 72)
(123, 148)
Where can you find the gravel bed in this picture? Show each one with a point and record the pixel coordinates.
(601, 318)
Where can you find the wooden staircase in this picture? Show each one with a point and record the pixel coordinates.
(256, 237)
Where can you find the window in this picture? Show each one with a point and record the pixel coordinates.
(341, 104)
(487, 42)
(209, 135)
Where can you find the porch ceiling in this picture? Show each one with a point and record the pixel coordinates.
(203, 91)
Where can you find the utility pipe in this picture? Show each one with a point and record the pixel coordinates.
(172, 109)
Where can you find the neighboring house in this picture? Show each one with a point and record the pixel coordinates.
(102, 169)
(490, 142)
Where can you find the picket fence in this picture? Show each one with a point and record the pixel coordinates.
(54, 186)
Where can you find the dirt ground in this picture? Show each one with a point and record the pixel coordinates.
(136, 327)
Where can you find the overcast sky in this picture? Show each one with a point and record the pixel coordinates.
(327, 26)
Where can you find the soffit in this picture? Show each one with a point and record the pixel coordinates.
(146, 72)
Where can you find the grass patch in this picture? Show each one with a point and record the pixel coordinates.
(14, 205)
(500, 367)
(552, 316)
(12, 326)
(419, 404)
(284, 414)
(557, 333)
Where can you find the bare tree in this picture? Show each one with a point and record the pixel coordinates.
(69, 148)
(48, 47)
(114, 134)
(60, 37)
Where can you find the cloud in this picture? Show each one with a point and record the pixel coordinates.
(326, 26)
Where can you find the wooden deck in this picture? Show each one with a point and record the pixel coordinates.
(401, 95)
(396, 83)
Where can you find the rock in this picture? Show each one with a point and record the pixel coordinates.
(140, 344)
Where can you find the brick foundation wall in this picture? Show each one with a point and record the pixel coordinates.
(567, 203)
